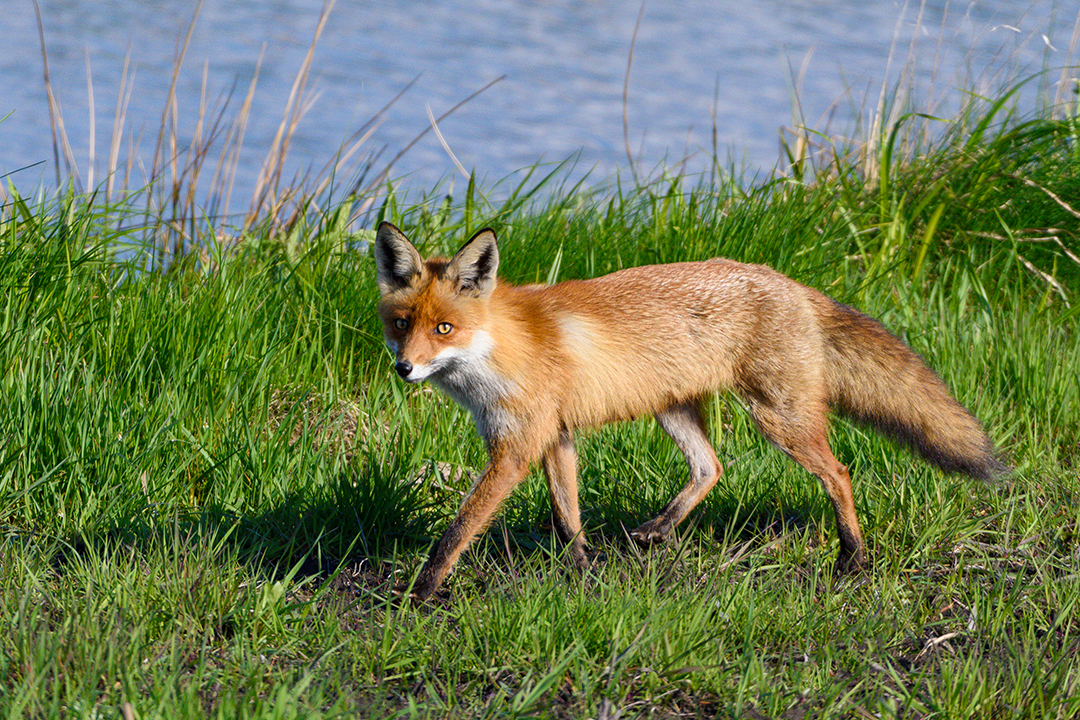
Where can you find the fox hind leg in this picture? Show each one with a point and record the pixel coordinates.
(685, 424)
(801, 431)
(817, 457)
(560, 467)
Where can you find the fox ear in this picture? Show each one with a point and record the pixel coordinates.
(396, 260)
(475, 265)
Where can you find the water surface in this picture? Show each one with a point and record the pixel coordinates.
(696, 65)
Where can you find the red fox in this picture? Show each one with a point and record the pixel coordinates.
(534, 363)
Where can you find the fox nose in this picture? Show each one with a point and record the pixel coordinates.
(403, 368)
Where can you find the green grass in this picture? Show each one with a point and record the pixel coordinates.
(210, 479)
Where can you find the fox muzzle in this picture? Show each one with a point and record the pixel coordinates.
(403, 368)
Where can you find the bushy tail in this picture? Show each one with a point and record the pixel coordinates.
(876, 379)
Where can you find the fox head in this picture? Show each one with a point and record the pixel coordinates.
(434, 311)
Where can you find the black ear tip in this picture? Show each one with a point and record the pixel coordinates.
(485, 231)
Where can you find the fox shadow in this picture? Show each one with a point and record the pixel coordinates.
(369, 527)
(360, 520)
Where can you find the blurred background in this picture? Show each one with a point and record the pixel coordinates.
(744, 69)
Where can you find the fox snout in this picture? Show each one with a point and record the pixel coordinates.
(412, 373)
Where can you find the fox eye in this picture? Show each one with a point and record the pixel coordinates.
(443, 328)
(401, 323)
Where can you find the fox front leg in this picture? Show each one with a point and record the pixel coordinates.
(500, 477)
(560, 467)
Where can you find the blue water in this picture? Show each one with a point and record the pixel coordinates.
(696, 65)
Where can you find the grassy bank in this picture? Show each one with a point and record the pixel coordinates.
(210, 480)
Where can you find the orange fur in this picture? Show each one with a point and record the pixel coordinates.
(534, 363)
